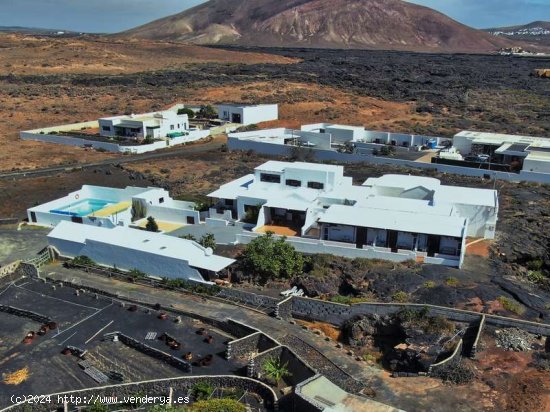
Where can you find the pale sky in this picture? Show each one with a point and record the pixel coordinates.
(118, 15)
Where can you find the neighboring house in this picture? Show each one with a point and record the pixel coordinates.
(110, 207)
(155, 125)
(530, 154)
(394, 217)
(331, 136)
(248, 114)
(126, 249)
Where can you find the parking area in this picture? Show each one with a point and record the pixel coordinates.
(21, 244)
(82, 320)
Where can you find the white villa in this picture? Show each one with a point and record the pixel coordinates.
(248, 114)
(532, 154)
(156, 125)
(331, 136)
(109, 207)
(393, 217)
(126, 249)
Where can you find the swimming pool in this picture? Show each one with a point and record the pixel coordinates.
(83, 207)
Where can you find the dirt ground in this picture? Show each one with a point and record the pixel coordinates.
(26, 54)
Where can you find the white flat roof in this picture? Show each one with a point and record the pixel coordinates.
(278, 166)
(394, 220)
(140, 240)
(498, 138)
(466, 196)
(403, 181)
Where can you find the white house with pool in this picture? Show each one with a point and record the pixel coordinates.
(394, 217)
(155, 254)
(110, 207)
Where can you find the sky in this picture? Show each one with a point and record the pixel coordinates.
(117, 15)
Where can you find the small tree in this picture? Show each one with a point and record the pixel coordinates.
(208, 240)
(272, 258)
(275, 370)
(151, 225)
(208, 112)
(190, 113)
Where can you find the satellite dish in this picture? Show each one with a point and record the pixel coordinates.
(208, 251)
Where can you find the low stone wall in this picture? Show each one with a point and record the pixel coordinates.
(25, 314)
(9, 269)
(248, 345)
(160, 387)
(249, 298)
(338, 314)
(452, 359)
(155, 353)
(283, 309)
(28, 270)
(478, 337)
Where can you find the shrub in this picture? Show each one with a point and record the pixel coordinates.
(452, 281)
(151, 225)
(201, 390)
(190, 113)
(189, 237)
(535, 265)
(208, 241)
(83, 261)
(536, 276)
(275, 370)
(271, 258)
(208, 112)
(429, 284)
(511, 305)
(400, 297)
(344, 300)
(137, 274)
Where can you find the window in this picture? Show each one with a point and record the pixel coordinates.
(190, 220)
(269, 178)
(178, 125)
(229, 202)
(161, 200)
(106, 128)
(171, 127)
(293, 183)
(315, 185)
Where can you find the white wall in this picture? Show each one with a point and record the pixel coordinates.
(249, 114)
(531, 164)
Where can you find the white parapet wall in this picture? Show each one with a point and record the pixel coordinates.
(43, 135)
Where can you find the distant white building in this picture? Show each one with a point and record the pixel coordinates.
(393, 217)
(248, 114)
(110, 207)
(530, 154)
(155, 125)
(126, 249)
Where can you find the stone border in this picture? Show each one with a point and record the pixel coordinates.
(478, 337)
(25, 314)
(158, 386)
(453, 358)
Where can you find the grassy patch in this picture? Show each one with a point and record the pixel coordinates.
(429, 284)
(400, 296)
(511, 305)
(452, 281)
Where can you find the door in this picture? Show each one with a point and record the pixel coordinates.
(190, 220)
(236, 118)
(433, 245)
(392, 240)
(361, 239)
(33, 217)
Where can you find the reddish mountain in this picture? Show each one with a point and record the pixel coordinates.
(387, 24)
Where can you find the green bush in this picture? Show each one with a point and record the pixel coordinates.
(83, 261)
(137, 274)
(429, 284)
(201, 390)
(536, 276)
(188, 237)
(400, 296)
(208, 241)
(535, 264)
(452, 281)
(190, 113)
(275, 370)
(271, 258)
(151, 225)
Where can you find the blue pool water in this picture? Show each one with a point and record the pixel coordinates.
(83, 207)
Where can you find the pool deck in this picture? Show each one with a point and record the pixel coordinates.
(164, 226)
(111, 210)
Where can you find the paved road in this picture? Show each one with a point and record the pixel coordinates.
(169, 153)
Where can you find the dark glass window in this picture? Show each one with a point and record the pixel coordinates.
(293, 183)
(315, 185)
(267, 177)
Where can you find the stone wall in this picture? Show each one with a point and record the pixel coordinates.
(283, 309)
(452, 359)
(25, 314)
(477, 339)
(160, 387)
(299, 370)
(155, 353)
(28, 270)
(249, 298)
(249, 345)
(9, 269)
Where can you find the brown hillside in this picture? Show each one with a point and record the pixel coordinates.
(389, 24)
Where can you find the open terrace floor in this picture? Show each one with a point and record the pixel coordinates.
(82, 322)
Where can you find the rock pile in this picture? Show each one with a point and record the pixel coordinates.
(514, 339)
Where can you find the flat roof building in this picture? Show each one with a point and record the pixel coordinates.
(248, 114)
(126, 249)
(414, 217)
